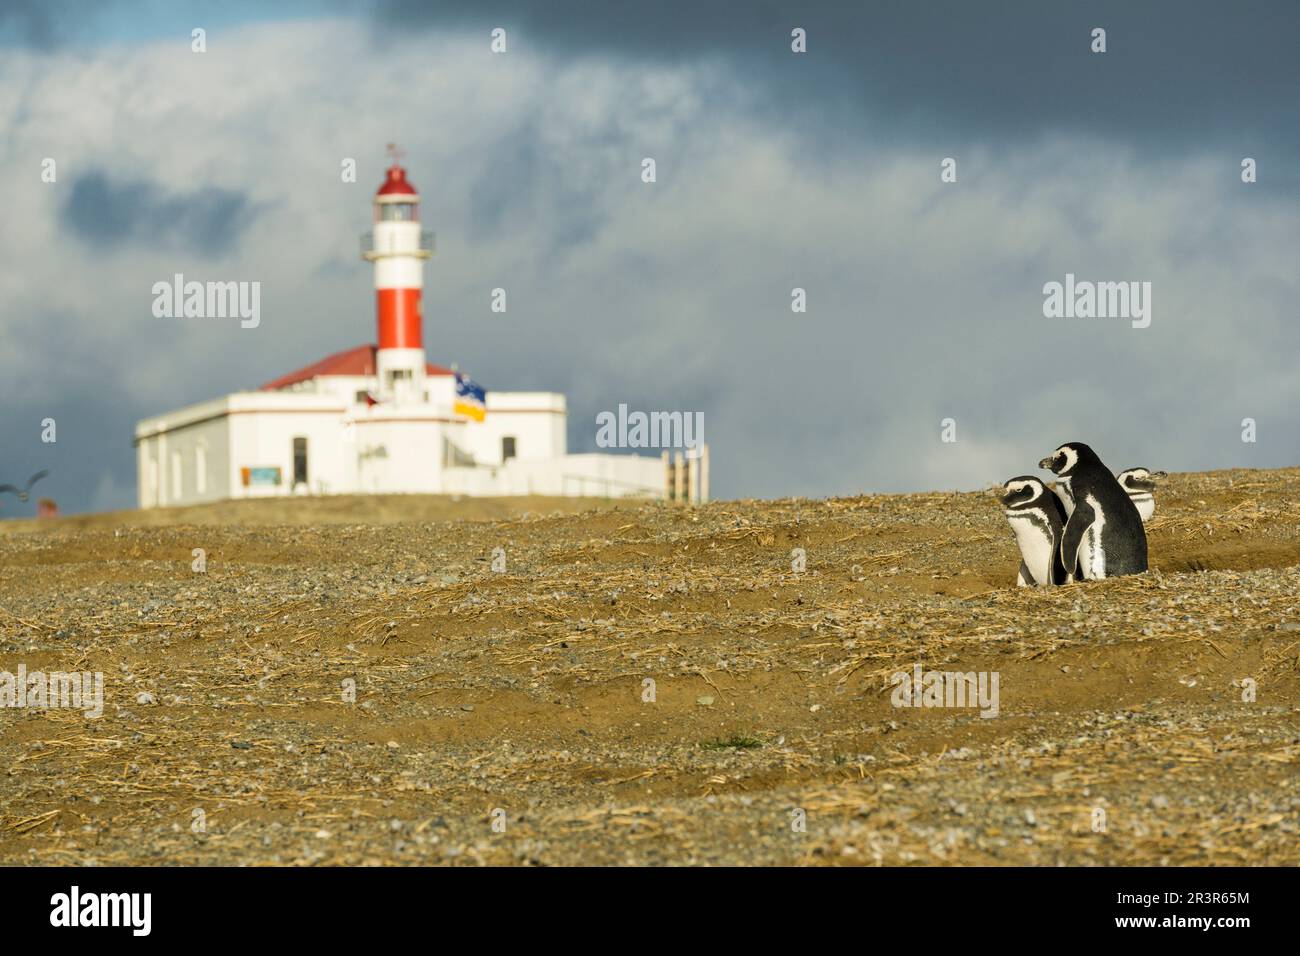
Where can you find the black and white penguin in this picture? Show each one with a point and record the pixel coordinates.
(1038, 521)
(1140, 483)
(1103, 534)
(1063, 498)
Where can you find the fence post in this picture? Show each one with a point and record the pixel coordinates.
(692, 479)
(704, 473)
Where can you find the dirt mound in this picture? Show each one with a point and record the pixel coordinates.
(653, 684)
(313, 510)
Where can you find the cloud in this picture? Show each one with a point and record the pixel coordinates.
(925, 299)
(945, 70)
(33, 23)
(207, 220)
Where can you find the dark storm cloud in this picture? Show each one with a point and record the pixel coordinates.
(47, 24)
(1174, 72)
(34, 23)
(207, 220)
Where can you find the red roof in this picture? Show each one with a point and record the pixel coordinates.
(397, 183)
(357, 361)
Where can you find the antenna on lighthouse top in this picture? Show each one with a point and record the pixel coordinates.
(396, 153)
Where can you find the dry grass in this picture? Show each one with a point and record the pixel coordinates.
(524, 691)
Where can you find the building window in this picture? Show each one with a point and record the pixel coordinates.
(400, 380)
(200, 469)
(176, 474)
(300, 461)
(507, 448)
(361, 396)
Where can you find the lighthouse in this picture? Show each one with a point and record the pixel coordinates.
(398, 247)
(379, 418)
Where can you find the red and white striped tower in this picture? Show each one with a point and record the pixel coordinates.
(398, 249)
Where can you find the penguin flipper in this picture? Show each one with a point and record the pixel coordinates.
(1072, 539)
(1058, 572)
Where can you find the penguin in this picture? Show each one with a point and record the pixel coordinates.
(1140, 483)
(1038, 521)
(1063, 497)
(1103, 534)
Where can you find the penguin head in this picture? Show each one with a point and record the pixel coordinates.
(1067, 458)
(1139, 479)
(1023, 492)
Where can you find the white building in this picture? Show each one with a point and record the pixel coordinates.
(378, 419)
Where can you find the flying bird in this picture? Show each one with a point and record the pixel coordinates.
(23, 492)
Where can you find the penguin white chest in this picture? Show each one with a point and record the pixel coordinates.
(1146, 505)
(1092, 555)
(1036, 545)
(1064, 495)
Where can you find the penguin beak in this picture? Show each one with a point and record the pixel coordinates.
(1157, 475)
(1047, 462)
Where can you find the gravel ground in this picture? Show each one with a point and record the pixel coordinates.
(646, 684)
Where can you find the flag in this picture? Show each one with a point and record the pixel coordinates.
(471, 399)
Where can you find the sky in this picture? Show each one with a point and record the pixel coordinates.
(775, 170)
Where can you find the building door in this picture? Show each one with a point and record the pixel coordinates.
(299, 462)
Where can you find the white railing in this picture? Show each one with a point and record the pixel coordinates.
(426, 245)
(604, 486)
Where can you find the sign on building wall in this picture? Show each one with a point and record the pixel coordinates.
(260, 476)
